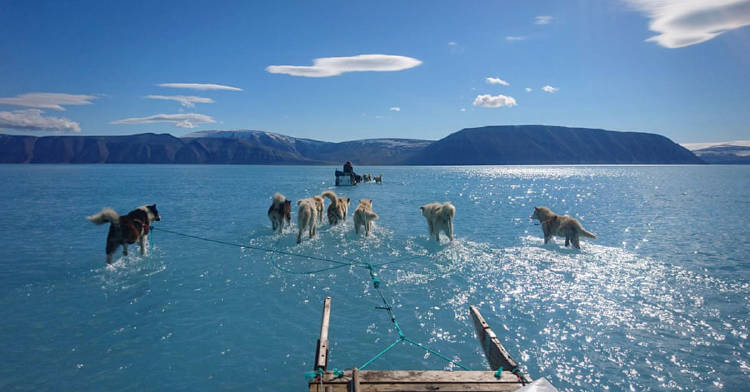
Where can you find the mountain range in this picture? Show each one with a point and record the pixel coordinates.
(490, 145)
(736, 152)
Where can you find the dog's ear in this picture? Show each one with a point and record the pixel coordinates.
(421, 208)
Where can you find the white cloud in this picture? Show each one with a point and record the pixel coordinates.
(200, 86)
(452, 43)
(543, 19)
(181, 120)
(32, 120)
(395, 109)
(528, 89)
(494, 101)
(549, 89)
(54, 101)
(682, 23)
(497, 81)
(515, 37)
(463, 109)
(333, 66)
(187, 101)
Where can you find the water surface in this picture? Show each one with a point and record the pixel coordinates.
(658, 302)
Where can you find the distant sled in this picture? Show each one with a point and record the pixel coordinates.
(347, 179)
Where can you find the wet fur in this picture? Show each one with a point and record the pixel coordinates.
(378, 179)
(125, 230)
(439, 218)
(338, 208)
(363, 216)
(319, 205)
(560, 226)
(280, 212)
(307, 217)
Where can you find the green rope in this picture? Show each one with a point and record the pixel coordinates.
(380, 354)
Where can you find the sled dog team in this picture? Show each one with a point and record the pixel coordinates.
(134, 226)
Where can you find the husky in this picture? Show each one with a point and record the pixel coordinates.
(338, 208)
(561, 226)
(307, 217)
(319, 205)
(439, 218)
(363, 215)
(378, 179)
(366, 177)
(280, 212)
(125, 230)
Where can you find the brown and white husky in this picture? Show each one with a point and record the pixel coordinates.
(560, 226)
(363, 215)
(125, 230)
(280, 212)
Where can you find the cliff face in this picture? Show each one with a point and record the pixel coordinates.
(494, 145)
(538, 144)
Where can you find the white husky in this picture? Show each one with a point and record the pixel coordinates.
(439, 218)
(363, 215)
(307, 217)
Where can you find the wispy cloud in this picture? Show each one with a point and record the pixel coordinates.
(515, 37)
(395, 109)
(463, 109)
(528, 89)
(200, 86)
(187, 101)
(499, 81)
(452, 43)
(181, 120)
(549, 89)
(32, 120)
(333, 66)
(53, 101)
(681, 23)
(494, 101)
(543, 19)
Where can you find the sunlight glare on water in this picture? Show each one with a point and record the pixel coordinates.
(658, 301)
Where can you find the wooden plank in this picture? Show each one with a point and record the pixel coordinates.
(321, 353)
(457, 387)
(494, 351)
(355, 381)
(417, 380)
(421, 376)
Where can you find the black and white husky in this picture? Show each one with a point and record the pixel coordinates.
(125, 230)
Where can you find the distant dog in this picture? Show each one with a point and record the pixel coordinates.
(307, 217)
(363, 215)
(378, 179)
(366, 177)
(125, 230)
(439, 218)
(280, 212)
(338, 208)
(561, 226)
(319, 204)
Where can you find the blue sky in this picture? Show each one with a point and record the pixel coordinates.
(674, 67)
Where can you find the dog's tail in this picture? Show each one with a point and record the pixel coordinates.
(278, 198)
(371, 215)
(587, 233)
(449, 209)
(331, 196)
(106, 215)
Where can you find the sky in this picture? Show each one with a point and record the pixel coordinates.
(350, 70)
